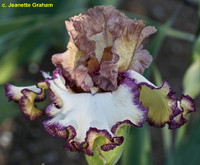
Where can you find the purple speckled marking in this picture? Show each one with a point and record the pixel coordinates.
(48, 110)
(56, 129)
(52, 96)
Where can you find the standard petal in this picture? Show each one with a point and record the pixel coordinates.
(125, 45)
(146, 32)
(107, 78)
(163, 106)
(141, 60)
(92, 115)
(102, 38)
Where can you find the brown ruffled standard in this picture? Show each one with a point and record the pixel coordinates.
(103, 42)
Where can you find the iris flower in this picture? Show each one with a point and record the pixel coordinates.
(98, 87)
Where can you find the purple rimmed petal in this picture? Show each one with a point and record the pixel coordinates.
(58, 130)
(27, 106)
(91, 136)
(86, 112)
(26, 96)
(185, 106)
(163, 106)
(15, 93)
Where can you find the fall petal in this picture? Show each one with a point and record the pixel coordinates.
(186, 105)
(163, 106)
(26, 96)
(92, 115)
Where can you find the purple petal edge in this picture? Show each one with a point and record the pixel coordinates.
(177, 124)
(135, 91)
(9, 93)
(85, 146)
(171, 96)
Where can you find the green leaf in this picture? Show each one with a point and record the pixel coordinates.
(155, 46)
(157, 76)
(10, 25)
(160, 36)
(188, 152)
(137, 149)
(180, 34)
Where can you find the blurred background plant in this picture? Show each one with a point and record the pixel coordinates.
(30, 36)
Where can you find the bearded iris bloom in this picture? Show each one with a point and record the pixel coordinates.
(97, 86)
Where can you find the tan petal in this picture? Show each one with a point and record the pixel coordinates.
(141, 60)
(125, 45)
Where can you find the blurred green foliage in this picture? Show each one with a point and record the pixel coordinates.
(191, 82)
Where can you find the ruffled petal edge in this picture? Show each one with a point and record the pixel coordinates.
(26, 96)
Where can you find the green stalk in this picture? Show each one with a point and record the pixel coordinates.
(138, 147)
(180, 35)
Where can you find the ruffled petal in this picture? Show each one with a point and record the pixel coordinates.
(26, 96)
(163, 106)
(186, 106)
(102, 38)
(82, 117)
(141, 60)
(146, 32)
(125, 45)
(107, 78)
